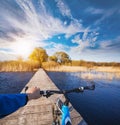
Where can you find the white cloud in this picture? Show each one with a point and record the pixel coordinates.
(87, 40)
(106, 13)
(93, 10)
(64, 9)
(35, 27)
(83, 42)
(56, 47)
(111, 46)
(107, 51)
(7, 56)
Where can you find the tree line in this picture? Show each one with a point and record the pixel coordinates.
(40, 55)
(39, 58)
(62, 58)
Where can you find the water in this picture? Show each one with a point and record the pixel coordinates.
(98, 107)
(13, 82)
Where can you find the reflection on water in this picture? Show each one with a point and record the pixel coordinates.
(98, 107)
(97, 75)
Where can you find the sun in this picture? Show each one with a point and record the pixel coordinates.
(22, 48)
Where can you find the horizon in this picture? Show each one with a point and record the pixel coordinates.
(86, 30)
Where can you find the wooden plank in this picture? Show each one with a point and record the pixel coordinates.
(38, 112)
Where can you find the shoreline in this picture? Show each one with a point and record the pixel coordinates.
(98, 72)
(18, 70)
(107, 69)
(84, 69)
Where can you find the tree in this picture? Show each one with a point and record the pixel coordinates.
(39, 55)
(62, 57)
(52, 58)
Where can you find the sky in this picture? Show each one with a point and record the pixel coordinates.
(84, 29)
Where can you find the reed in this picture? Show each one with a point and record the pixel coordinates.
(9, 66)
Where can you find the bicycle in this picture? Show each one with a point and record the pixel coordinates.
(63, 107)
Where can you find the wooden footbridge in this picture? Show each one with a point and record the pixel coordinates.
(38, 112)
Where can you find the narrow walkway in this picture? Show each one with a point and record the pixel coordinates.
(38, 112)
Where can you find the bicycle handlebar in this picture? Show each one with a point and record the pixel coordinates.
(48, 93)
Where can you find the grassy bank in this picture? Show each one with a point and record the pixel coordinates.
(105, 72)
(78, 66)
(83, 69)
(74, 66)
(15, 66)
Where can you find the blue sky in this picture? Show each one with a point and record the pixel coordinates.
(85, 29)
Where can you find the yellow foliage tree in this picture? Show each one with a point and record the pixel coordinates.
(39, 55)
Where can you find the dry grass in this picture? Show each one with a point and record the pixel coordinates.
(83, 69)
(90, 73)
